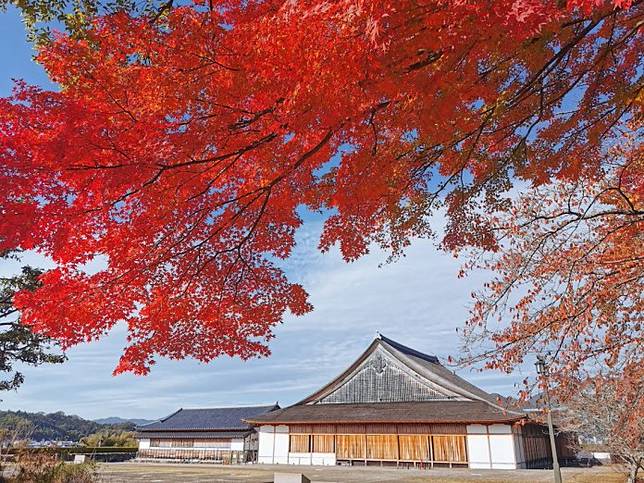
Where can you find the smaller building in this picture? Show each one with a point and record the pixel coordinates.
(210, 434)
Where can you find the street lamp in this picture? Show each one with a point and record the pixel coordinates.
(542, 370)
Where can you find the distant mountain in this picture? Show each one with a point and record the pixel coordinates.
(56, 426)
(117, 420)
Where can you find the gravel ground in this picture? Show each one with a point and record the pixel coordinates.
(190, 473)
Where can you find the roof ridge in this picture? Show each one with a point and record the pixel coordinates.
(169, 416)
(408, 350)
(226, 407)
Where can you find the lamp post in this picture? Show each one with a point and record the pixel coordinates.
(542, 370)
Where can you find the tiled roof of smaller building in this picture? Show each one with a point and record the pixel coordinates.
(195, 434)
(208, 419)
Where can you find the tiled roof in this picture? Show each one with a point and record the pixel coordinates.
(425, 365)
(430, 367)
(466, 403)
(194, 434)
(221, 419)
(403, 412)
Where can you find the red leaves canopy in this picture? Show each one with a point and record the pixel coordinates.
(181, 149)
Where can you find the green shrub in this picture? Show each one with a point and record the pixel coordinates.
(75, 473)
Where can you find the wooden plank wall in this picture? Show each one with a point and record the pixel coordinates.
(383, 442)
(536, 442)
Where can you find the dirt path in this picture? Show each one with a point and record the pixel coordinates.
(190, 473)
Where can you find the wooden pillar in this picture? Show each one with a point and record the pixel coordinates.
(431, 451)
(273, 456)
(365, 449)
(489, 443)
(398, 456)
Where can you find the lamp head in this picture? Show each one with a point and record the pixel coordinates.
(540, 365)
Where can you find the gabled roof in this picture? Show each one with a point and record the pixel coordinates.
(390, 380)
(424, 365)
(208, 419)
(430, 367)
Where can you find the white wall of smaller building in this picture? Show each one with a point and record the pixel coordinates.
(144, 443)
(237, 444)
(210, 444)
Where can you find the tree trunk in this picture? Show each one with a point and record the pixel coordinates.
(632, 474)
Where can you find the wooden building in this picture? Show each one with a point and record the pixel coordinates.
(397, 406)
(212, 434)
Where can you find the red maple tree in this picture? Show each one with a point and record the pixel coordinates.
(180, 147)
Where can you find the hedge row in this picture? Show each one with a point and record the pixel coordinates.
(75, 450)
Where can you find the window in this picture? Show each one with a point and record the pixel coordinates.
(323, 443)
(350, 446)
(214, 443)
(414, 447)
(183, 443)
(299, 443)
(382, 447)
(449, 449)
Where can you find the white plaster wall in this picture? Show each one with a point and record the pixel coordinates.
(312, 459)
(324, 459)
(214, 445)
(494, 446)
(502, 447)
(144, 444)
(237, 445)
(601, 455)
(273, 445)
(519, 450)
(266, 444)
(478, 448)
(280, 455)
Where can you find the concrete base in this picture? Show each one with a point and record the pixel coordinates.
(290, 478)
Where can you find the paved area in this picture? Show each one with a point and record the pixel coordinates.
(190, 473)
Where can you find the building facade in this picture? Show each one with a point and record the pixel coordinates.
(397, 406)
(212, 434)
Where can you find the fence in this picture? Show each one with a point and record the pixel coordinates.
(210, 455)
(103, 454)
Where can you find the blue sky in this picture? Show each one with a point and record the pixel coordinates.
(418, 301)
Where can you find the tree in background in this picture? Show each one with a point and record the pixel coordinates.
(568, 276)
(18, 343)
(74, 15)
(58, 426)
(14, 431)
(181, 149)
(111, 438)
(608, 408)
